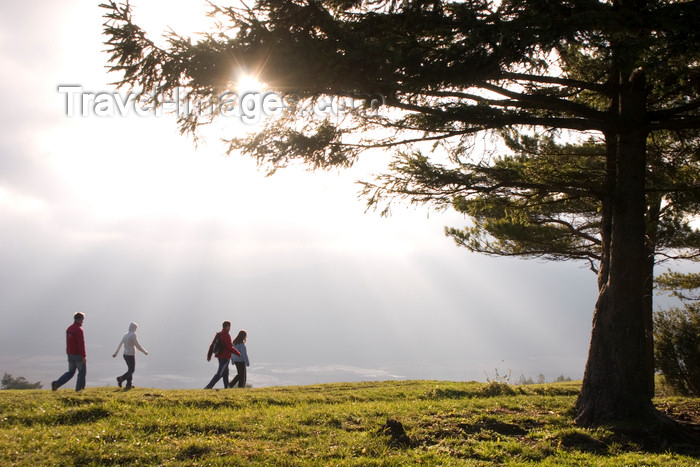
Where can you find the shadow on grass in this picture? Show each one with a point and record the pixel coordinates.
(583, 442)
(491, 424)
(69, 417)
(193, 451)
(82, 415)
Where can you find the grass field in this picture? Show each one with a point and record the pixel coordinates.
(439, 423)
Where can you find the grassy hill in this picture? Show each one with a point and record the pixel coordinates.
(439, 423)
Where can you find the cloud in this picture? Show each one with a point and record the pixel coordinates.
(126, 221)
(20, 204)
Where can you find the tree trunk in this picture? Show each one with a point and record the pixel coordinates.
(652, 226)
(617, 377)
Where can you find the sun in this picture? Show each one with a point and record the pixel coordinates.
(248, 83)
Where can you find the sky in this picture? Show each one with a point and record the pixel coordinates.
(123, 219)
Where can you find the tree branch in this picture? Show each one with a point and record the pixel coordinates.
(544, 102)
(572, 83)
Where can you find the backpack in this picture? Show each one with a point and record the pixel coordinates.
(216, 346)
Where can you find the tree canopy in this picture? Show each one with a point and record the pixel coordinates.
(684, 286)
(677, 334)
(544, 199)
(622, 72)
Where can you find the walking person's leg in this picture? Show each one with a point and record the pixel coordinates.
(223, 364)
(82, 372)
(131, 368)
(235, 378)
(240, 376)
(65, 377)
(243, 372)
(225, 374)
(122, 378)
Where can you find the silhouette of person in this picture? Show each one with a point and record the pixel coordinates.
(223, 356)
(77, 358)
(240, 361)
(130, 342)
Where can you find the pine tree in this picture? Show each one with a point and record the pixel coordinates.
(623, 70)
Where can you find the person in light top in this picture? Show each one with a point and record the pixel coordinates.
(240, 361)
(130, 343)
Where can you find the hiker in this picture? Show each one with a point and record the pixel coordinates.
(240, 361)
(77, 358)
(225, 349)
(130, 343)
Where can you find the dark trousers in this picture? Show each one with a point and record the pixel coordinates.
(130, 368)
(222, 372)
(241, 376)
(75, 362)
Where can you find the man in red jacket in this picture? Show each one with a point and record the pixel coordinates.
(77, 359)
(224, 356)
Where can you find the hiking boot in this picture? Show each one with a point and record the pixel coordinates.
(128, 386)
(119, 381)
(54, 386)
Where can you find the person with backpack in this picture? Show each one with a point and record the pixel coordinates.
(222, 348)
(130, 343)
(240, 361)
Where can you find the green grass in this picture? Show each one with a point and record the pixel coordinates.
(333, 424)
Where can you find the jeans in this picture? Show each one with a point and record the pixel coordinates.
(241, 376)
(75, 362)
(221, 372)
(130, 366)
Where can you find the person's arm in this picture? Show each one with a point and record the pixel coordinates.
(121, 342)
(81, 344)
(138, 345)
(227, 342)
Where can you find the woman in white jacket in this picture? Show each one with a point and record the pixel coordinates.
(241, 362)
(130, 343)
